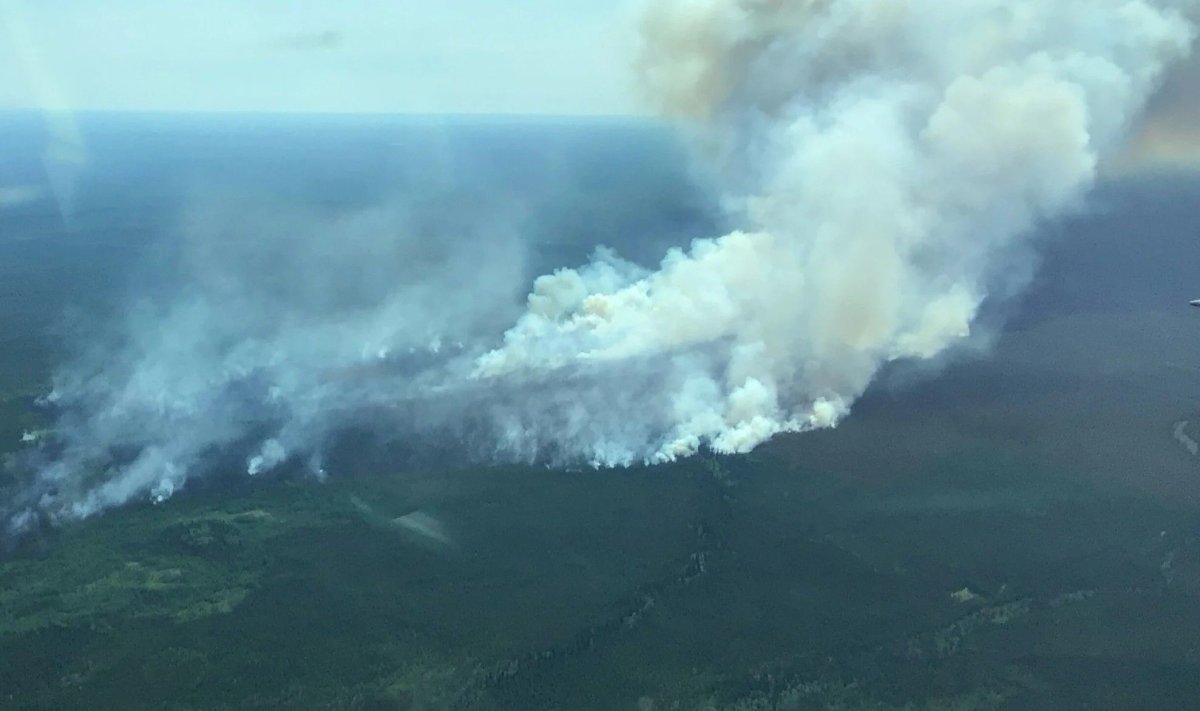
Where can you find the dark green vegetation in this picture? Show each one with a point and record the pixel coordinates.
(1020, 533)
(983, 541)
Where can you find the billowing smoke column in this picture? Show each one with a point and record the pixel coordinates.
(887, 160)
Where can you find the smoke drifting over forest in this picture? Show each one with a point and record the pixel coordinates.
(886, 163)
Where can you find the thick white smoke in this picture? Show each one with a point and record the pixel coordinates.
(887, 159)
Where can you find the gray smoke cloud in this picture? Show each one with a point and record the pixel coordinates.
(887, 162)
(886, 157)
(290, 324)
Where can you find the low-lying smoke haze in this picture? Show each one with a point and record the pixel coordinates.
(886, 164)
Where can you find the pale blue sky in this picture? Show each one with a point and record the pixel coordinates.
(413, 56)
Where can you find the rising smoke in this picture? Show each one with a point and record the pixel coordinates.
(887, 161)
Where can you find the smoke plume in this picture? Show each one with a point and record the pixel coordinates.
(887, 161)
